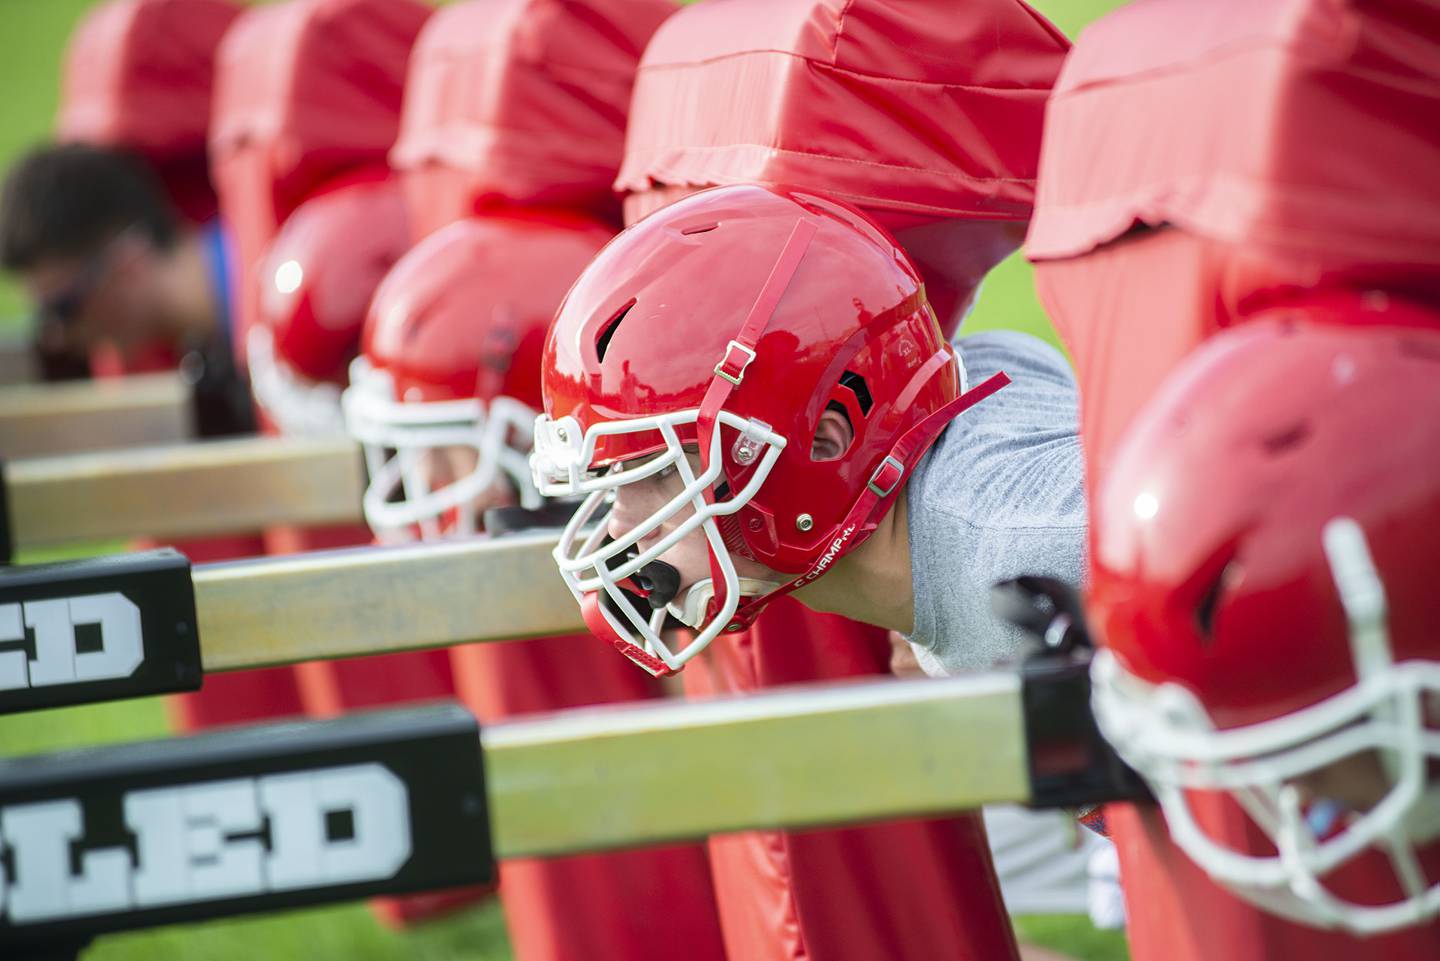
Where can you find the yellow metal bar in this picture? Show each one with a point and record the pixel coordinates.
(186, 490)
(376, 600)
(620, 777)
(41, 419)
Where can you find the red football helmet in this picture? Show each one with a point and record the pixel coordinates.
(730, 321)
(445, 392)
(1263, 561)
(316, 281)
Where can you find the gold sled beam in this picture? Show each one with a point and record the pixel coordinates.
(620, 777)
(370, 600)
(185, 490)
(42, 419)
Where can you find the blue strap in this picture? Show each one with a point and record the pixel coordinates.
(218, 260)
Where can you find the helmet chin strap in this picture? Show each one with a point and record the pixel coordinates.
(695, 606)
(875, 500)
(730, 372)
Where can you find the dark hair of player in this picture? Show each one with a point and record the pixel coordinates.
(68, 201)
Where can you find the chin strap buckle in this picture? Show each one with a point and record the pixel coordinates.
(737, 358)
(887, 477)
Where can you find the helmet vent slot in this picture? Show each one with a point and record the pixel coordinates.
(699, 229)
(1283, 440)
(602, 343)
(1205, 611)
(856, 385)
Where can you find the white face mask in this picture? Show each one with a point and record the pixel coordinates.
(1165, 733)
(297, 406)
(593, 564)
(398, 437)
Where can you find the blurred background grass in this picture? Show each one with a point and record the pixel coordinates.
(32, 39)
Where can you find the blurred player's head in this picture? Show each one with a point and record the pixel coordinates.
(445, 392)
(748, 376)
(1264, 561)
(87, 231)
(316, 282)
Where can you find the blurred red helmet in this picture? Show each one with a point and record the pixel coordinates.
(1264, 554)
(448, 380)
(730, 321)
(316, 281)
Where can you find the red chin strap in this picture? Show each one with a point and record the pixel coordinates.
(730, 372)
(875, 500)
(595, 620)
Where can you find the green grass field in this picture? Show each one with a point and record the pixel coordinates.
(32, 37)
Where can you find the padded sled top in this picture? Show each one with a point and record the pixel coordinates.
(523, 101)
(1304, 125)
(915, 112)
(138, 74)
(314, 86)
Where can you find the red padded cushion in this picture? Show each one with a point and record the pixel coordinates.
(920, 113)
(520, 102)
(138, 74)
(1304, 125)
(306, 91)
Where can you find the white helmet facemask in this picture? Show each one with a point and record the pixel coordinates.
(591, 562)
(401, 438)
(1165, 733)
(296, 405)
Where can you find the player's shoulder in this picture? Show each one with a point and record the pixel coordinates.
(1014, 352)
(1013, 460)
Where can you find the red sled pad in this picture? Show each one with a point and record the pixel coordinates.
(918, 113)
(1176, 913)
(1204, 162)
(520, 102)
(138, 74)
(307, 93)
(912, 890)
(583, 907)
(1307, 126)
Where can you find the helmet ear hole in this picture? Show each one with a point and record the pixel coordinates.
(850, 399)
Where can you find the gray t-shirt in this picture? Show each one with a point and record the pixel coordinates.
(999, 495)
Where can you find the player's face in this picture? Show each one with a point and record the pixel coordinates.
(443, 466)
(636, 502)
(1359, 782)
(83, 303)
